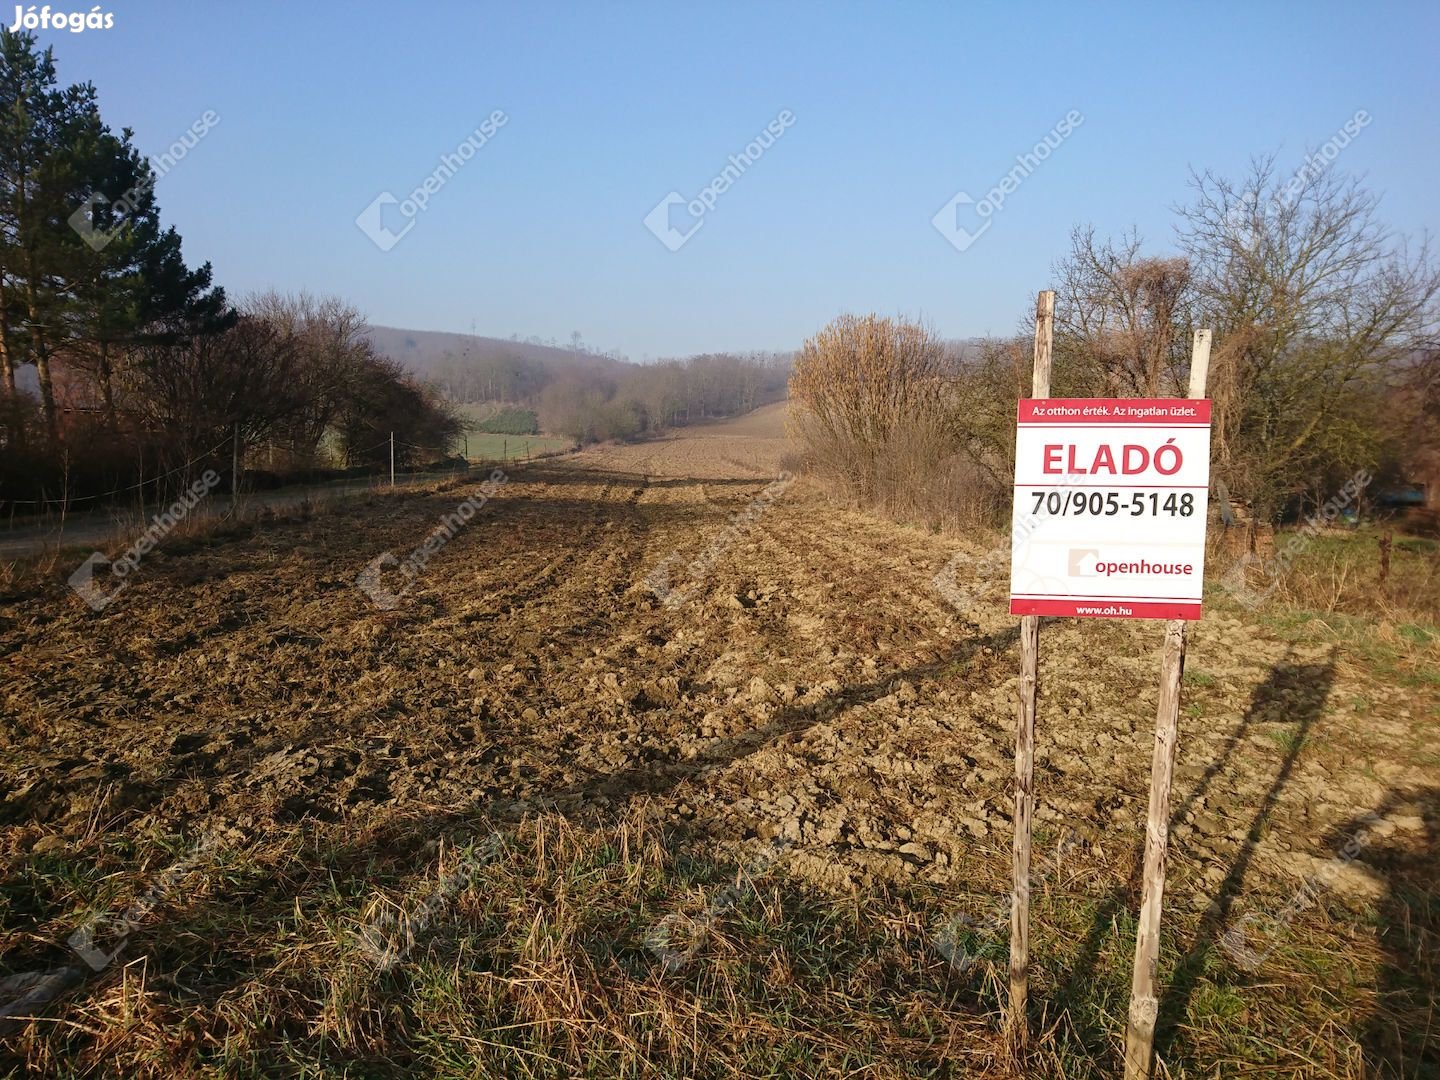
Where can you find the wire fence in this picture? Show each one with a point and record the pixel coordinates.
(40, 508)
(71, 500)
(43, 506)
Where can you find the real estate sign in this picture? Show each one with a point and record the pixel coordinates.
(1110, 501)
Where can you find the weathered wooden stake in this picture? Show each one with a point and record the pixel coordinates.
(1144, 1002)
(1025, 732)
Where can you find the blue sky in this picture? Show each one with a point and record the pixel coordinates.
(610, 107)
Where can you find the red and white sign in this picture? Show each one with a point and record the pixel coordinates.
(1110, 502)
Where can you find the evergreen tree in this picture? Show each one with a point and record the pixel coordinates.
(86, 271)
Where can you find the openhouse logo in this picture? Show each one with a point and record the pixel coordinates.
(1086, 562)
(87, 579)
(964, 219)
(91, 218)
(675, 219)
(371, 220)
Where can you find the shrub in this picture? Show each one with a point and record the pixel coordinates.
(880, 419)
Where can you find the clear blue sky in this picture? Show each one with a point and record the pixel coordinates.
(611, 106)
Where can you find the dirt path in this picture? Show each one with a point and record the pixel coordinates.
(113, 527)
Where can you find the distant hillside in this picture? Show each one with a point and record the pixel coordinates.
(424, 351)
(430, 353)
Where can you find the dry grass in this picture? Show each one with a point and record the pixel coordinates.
(1343, 573)
(57, 559)
(539, 967)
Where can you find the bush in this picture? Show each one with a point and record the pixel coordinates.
(880, 419)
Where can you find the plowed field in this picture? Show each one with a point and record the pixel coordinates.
(663, 637)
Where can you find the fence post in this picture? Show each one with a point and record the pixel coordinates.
(1144, 1003)
(1025, 732)
(392, 459)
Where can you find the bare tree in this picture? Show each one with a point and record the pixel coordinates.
(1314, 303)
(1120, 315)
(331, 350)
(210, 390)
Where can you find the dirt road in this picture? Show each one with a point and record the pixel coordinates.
(114, 528)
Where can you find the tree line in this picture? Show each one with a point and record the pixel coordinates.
(594, 398)
(125, 370)
(1325, 361)
(646, 399)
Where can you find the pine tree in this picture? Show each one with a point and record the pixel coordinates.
(51, 145)
(85, 268)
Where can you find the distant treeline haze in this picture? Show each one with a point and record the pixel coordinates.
(613, 399)
(125, 373)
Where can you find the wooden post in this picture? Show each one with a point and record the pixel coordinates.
(1025, 732)
(392, 459)
(234, 469)
(1144, 1002)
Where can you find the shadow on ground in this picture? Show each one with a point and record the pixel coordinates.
(1402, 1037)
(1301, 691)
